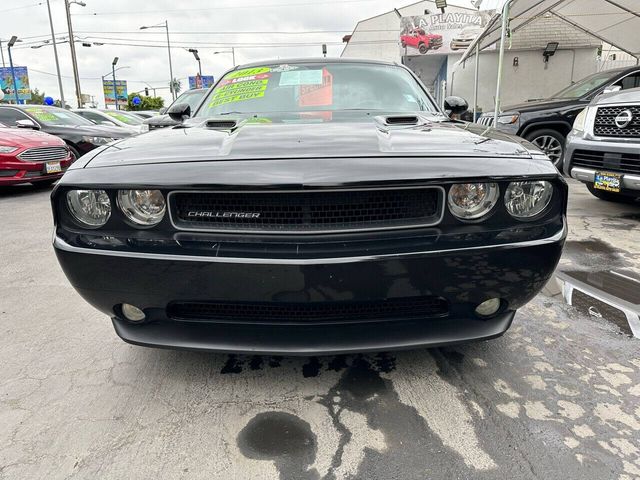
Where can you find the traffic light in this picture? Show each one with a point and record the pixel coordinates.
(146, 91)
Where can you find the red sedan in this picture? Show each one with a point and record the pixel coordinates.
(32, 156)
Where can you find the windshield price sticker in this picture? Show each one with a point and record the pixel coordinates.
(248, 72)
(239, 91)
(301, 77)
(42, 115)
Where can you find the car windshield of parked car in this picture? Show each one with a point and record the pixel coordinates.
(123, 117)
(191, 98)
(584, 86)
(299, 88)
(57, 116)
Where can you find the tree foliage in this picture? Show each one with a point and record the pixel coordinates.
(146, 103)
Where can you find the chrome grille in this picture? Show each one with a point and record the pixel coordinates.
(322, 211)
(605, 122)
(44, 154)
(486, 121)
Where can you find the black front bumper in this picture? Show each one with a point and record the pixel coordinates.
(464, 277)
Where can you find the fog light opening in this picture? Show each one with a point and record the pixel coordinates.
(132, 313)
(488, 307)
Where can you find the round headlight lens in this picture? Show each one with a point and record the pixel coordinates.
(142, 207)
(470, 201)
(90, 208)
(525, 200)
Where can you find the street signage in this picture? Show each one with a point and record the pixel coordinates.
(121, 88)
(22, 79)
(204, 81)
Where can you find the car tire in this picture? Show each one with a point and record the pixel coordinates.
(422, 48)
(74, 150)
(550, 142)
(611, 197)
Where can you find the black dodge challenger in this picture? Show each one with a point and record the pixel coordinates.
(311, 206)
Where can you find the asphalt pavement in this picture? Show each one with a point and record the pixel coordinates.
(557, 397)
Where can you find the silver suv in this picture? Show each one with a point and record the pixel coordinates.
(603, 149)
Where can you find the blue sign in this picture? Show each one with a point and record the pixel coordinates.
(136, 100)
(22, 79)
(204, 81)
(48, 101)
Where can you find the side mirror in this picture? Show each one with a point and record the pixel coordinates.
(455, 105)
(27, 124)
(162, 111)
(612, 89)
(179, 111)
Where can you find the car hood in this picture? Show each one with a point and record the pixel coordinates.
(536, 105)
(365, 138)
(26, 137)
(90, 130)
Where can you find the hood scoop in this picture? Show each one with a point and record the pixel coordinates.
(401, 120)
(221, 124)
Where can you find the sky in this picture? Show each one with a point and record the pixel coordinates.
(258, 29)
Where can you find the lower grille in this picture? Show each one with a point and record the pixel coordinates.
(311, 312)
(605, 122)
(44, 154)
(614, 162)
(306, 212)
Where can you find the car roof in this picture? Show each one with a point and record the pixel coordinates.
(289, 61)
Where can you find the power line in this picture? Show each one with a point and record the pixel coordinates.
(20, 8)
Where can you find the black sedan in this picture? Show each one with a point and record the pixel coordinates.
(317, 206)
(80, 134)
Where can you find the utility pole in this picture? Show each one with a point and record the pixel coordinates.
(74, 60)
(55, 54)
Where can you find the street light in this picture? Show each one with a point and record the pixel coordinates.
(195, 54)
(74, 60)
(232, 52)
(113, 71)
(165, 25)
(13, 73)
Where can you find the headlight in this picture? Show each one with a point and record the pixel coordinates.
(470, 201)
(91, 208)
(98, 140)
(581, 120)
(525, 200)
(508, 119)
(7, 149)
(142, 207)
(144, 128)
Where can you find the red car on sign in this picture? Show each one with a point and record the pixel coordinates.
(32, 156)
(423, 41)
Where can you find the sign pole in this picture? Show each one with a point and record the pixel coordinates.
(115, 91)
(13, 75)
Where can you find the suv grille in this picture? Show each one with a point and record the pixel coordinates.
(605, 123)
(311, 312)
(486, 121)
(614, 162)
(44, 154)
(306, 212)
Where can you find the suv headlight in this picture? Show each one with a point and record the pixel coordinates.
(90, 208)
(508, 119)
(98, 140)
(581, 120)
(525, 200)
(470, 201)
(143, 207)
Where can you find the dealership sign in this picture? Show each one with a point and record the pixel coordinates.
(22, 80)
(121, 89)
(441, 33)
(204, 81)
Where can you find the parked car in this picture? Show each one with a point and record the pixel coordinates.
(28, 156)
(546, 123)
(467, 35)
(144, 114)
(312, 206)
(80, 134)
(603, 148)
(116, 118)
(421, 40)
(190, 97)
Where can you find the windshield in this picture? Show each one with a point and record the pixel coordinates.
(585, 85)
(56, 116)
(312, 87)
(191, 98)
(124, 117)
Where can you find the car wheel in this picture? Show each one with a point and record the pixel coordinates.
(422, 48)
(611, 197)
(550, 142)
